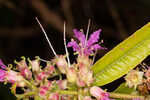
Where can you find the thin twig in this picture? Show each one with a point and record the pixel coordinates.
(46, 37)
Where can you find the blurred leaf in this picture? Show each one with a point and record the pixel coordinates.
(124, 57)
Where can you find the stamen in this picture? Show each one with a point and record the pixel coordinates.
(42, 59)
(87, 32)
(46, 37)
(67, 54)
(94, 57)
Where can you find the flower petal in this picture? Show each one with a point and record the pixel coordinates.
(80, 36)
(99, 93)
(74, 45)
(2, 75)
(93, 38)
(2, 65)
(96, 47)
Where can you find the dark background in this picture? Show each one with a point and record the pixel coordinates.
(20, 34)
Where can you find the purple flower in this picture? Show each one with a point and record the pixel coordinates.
(2, 65)
(85, 47)
(99, 94)
(2, 71)
(2, 75)
(80, 36)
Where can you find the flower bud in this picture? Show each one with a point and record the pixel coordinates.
(71, 75)
(80, 83)
(147, 74)
(35, 65)
(62, 84)
(15, 77)
(26, 73)
(99, 93)
(43, 91)
(23, 68)
(41, 76)
(84, 61)
(49, 69)
(48, 83)
(21, 84)
(85, 75)
(89, 79)
(61, 63)
(21, 65)
(54, 96)
(134, 78)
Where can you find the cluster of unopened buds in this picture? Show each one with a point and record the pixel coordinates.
(139, 80)
(58, 79)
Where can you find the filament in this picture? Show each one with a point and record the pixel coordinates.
(46, 37)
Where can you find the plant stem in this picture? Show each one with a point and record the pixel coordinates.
(67, 92)
(30, 85)
(126, 96)
(37, 98)
(20, 96)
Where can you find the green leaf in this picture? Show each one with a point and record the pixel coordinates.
(124, 89)
(124, 57)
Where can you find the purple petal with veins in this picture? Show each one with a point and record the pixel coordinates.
(93, 38)
(2, 65)
(91, 45)
(96, 47)
(80, 36)
(2, 75)
(74, 45)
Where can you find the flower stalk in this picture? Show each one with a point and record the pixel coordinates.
(126, 96)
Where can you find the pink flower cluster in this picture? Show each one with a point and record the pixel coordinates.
(48, 82)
